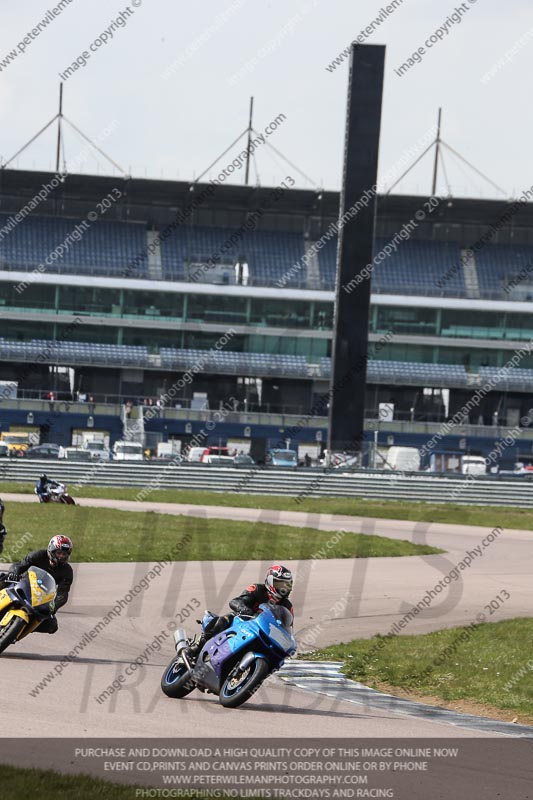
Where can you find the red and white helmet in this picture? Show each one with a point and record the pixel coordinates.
(278, 582)
(59, 550)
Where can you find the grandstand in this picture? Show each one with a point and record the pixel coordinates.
(134, 302)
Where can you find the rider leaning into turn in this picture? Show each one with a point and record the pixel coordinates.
(43, 486)
(53, 560)
(276, 589)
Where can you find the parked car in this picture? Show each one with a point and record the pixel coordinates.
(220, 461)
(43, 451)
(195, 454)
(282, 458)
(349, 463)
(75, 454)
(243, 460)
(204, 454)
(473, 465)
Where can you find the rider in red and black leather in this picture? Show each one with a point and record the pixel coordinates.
(276, 589)
(53, 560)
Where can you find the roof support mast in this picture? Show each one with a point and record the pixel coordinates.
(250, 128)
(59, 119)
(437, 154)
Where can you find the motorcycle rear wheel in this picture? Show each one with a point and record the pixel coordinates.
(239, 686)
(10, 632)
(176, 681)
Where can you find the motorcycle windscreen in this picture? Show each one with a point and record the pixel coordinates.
(282, 615)
(43, 587)
(277, 621)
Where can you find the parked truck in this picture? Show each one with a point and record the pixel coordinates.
(17, 443)
(403, 459)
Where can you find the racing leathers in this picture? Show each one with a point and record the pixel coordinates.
(3, 532)
(247, 603)
(62, 574)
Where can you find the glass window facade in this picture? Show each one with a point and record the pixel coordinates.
(29, 295)
(152, 304)
(217, 308)
(289, 316)
(277, 313)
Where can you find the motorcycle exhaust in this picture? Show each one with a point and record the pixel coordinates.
(180, 638)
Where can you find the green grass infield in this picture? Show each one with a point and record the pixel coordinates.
(102, 534)
(490, 664)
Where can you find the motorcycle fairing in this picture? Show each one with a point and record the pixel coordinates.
(14, 612)
(5, 599)
(267, 626)
(43, 587)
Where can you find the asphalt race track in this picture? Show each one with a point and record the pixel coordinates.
(335, 600)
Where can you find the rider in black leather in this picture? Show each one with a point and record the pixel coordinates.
(276, 589)
(54, 560)
(3, 532)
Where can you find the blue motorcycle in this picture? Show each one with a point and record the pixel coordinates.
(233, 664)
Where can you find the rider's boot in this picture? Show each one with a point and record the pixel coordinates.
(196, 644)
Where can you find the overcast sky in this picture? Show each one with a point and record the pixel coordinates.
(177, 78)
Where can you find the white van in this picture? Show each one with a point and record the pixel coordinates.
(128, 451)
(98, 450)
(403, 459)
(473, 465)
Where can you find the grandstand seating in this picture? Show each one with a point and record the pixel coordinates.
(229, 362)
(236, 363)
(416, 267)
(269, 254)
(430, 268)
(104, 248)
(46, 350)
(520, 380)
(407, 372)
(499, 264)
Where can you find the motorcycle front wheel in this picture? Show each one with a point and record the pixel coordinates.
(240, 685)
(68, 500)
(176, 681)
(10, 632)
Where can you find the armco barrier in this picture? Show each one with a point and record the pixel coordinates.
(488, 490)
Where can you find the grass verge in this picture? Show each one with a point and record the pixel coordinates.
(490, 665)
(486, 516)
(49, 785)
(102, 534)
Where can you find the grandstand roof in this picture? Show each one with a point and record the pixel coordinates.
(150, 200)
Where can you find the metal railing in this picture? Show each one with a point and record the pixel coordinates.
(513, 491)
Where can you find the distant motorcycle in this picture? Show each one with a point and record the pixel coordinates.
(234, 663)
(56, 493)
(24, 604)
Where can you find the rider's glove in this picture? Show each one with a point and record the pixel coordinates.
(13, 576)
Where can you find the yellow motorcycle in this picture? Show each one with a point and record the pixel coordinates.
(24, 604)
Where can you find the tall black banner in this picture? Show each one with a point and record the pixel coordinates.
(354, 254)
